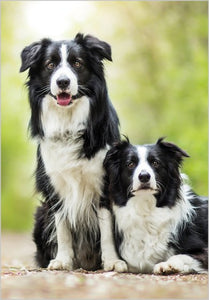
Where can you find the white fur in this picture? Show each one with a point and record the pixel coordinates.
(64, 70)
(64, 258)
(179, 264)
(64, 122)
(146, 229)
(110, 258)
(143, 166)
(77, 180)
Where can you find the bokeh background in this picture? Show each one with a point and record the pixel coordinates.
(157, 81)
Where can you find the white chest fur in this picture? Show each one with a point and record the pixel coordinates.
(146, 230)
(78, 181)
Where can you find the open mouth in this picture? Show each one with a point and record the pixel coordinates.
(64, 99)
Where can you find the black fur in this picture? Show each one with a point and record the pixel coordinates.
(192, 239)
(102, 129)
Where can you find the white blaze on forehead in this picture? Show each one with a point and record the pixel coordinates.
(63, 53)
(64, 70)
(142, 154)
(143, 165)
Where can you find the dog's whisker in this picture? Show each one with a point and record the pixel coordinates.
(83, 90)
(43, 91)
(160, 186)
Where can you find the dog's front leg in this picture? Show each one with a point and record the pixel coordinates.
(64, 257)
(110, 259)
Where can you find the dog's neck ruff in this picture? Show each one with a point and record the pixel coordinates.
(64, 123)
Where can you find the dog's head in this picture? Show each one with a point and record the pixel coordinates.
(65, 69)
(148, 169)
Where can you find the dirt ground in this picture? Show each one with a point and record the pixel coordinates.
(22, 280)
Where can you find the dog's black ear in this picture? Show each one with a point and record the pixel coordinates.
(172, 149)
(31, 54)
(99, 48)
(114, 154)
(111, 158)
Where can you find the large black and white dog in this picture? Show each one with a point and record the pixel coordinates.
(160, 224)
(74, 123)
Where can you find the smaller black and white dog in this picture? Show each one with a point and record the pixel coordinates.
(160, 224)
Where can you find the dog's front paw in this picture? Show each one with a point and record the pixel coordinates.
(58, 264)
(118, 265)
(180, 263)
(165, 268)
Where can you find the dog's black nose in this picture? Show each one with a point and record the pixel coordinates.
(144, 176)
(63, 82)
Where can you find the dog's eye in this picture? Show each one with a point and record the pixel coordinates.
(77, 64)
(131, 165)
(50, 66)
(155, 163)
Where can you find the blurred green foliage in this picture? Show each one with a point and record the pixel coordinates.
(157, 83)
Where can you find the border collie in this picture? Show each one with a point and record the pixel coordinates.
(160, 224)
(74, 123)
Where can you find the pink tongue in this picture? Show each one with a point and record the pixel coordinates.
(63, 99)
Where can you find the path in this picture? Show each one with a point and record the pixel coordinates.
(21, 280)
